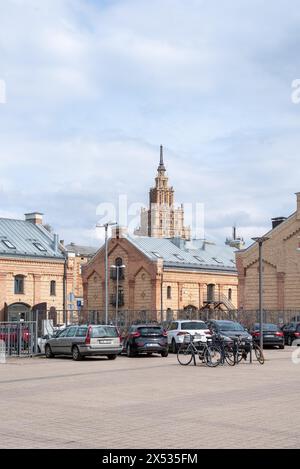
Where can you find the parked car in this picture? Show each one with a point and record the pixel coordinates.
(291, 332)
(84, 340)
(146, 338)
(10, 333)
(178, 329)
(231, 329)
(272, 335)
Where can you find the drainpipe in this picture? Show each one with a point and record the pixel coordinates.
(161, 298)
(65, 289)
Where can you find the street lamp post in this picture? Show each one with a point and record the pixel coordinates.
(117, 267)
(260, 242)
(105, 226)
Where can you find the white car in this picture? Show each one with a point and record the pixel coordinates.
(179, 329)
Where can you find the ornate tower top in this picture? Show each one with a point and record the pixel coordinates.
(161, 166)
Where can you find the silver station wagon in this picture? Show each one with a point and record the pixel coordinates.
(81, 341)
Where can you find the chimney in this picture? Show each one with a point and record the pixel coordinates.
(55, 243)
(35, 217)
(62, 242)
(119, 232)
(298, 205)
(277, 221)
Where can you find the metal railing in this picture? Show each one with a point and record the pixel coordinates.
(19, 338)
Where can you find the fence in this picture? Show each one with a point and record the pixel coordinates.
(125, 318)
(18, 339)
(45, 323)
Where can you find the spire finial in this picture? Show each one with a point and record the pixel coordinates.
(161, 163)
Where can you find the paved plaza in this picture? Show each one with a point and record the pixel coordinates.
(149, 402)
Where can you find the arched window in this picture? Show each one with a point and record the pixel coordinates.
(119, 261)
(19, 284)
(230, 294)
(169, 293)
(53, 288)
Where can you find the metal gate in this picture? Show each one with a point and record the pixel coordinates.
(18, 339)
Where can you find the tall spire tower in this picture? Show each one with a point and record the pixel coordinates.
(162, 219)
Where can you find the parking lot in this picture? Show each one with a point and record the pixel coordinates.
(149, 402)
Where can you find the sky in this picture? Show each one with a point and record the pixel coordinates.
(93, 88)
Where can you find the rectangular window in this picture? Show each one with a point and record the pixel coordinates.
(40, 247)
(53, 288)
(178, 256)
(218, 260)
(199, 259)
(8, 244)
(19, 285)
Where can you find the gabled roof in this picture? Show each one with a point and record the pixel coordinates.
(20, 238)
(200, 255)
(86, 251)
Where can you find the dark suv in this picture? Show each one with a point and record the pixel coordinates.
(231, 329)
(146, 338)
(291, 332)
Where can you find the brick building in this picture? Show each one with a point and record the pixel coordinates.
(82, 254)
(281, 267)
(161, 274)
(36, 273)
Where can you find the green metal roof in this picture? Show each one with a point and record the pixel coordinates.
(20, 238)
(196, 254)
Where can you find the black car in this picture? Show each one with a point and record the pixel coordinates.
(272, 335)
(231, 329)
(291, 332)
(145, 338)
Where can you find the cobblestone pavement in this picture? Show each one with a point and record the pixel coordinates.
(149, 402)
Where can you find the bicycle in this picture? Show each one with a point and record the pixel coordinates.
(242, 347)
(208, 353)
(226, 348)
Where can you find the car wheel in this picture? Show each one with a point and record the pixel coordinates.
(289, 341)
(174, 346)
(111, 357)
(48, 352)
(76, 355)
(129, 351)
(165, 353)
(281, 347)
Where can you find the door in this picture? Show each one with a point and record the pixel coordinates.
(56, 342)
(69, 340)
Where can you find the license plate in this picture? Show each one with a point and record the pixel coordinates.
(104, 342)
(151, 345)
(269, 336)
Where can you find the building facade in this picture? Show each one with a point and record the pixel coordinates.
(162, 219)
(35, 271)
(82, 255)
(281, 267)
(159, 274)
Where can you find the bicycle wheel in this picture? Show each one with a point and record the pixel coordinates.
(259, 354)
(212, 356)
(229, 356)
(185, 355)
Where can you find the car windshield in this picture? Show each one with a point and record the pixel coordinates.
(267, 327)
(230, 326)
(193, 325)
(150, 330)
(104, 331)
